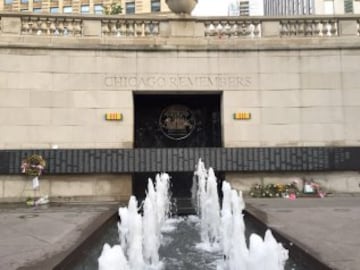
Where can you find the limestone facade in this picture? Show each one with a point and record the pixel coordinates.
(55, 90)
(67, 188)
(296, 98)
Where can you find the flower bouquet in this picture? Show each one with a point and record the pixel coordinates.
(33, 166)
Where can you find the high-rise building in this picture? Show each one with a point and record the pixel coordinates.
(288, 7)
(246, 8)
(310, 7)
(83, 6)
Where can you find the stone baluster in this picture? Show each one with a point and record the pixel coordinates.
(155, 28)
(300, 28)
(243, 30)
(212, 29)
(130, 28)
(284, 30)
(234, 29)
(113, 28)
(148, 28)
(324, 28)
(333, 27)
(139, 28)
(105, 28)
(69, 27)
(36, 26)
(25, 26)
(219, 28)
(358, 27)
(207, 28)
(43, 26)
(122, 26)
(52, 26)
(318, 28)
(77, 27)
(257, 29)
(60, 30)
(249, 29)
(226, 29)
(308, 28)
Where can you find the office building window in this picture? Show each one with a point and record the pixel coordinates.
(98, 9)
(130, 8)
(245, 8)
(8, 2)
(37, 10)
(67, 9)
(37, 1)
(24, 1)
(85, 9)
(348, 6)
(54, 10)
(329, 7)
(155, 5)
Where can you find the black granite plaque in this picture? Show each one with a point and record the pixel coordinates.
(267, 159)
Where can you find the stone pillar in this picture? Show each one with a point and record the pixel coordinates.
(181, 29)
(11, 25)
(270, 29)
(92, 28)
(348, 27)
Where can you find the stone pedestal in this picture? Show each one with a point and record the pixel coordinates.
(181, 6)
(182, 28)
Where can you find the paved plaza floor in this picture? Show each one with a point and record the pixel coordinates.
(327, 228)
(39, 238)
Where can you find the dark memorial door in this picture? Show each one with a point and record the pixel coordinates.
(170, 121)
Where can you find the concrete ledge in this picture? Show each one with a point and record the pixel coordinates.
(177, 43)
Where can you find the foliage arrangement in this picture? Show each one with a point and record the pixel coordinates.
(33, 165)
(113, 9)
(274, 190)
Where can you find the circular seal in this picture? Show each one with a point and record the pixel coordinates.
(177, 122)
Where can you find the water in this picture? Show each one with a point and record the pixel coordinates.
(214, 239)
(178, 250)
(224, 229)
(140, 235)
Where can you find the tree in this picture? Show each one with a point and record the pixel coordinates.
(113, 9)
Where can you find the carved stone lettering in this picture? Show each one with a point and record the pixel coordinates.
(178, 82)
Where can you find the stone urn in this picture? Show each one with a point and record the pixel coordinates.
(181, 6)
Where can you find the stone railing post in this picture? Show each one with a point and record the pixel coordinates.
(181, 28)
(348, 27)
(11, 25)
(270, 29)
(91, 28)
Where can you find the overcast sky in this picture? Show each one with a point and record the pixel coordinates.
(211, 7)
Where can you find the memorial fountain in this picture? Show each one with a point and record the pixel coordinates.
(221, 229)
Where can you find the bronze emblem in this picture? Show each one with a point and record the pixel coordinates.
(177, 122)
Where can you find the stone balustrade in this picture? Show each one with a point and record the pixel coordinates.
(58, 26)
(312, 27)
(129, 27)
(232, 28)
(133, 26)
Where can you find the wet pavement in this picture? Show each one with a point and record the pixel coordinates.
(41, 237)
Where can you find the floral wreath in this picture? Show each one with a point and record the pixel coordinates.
(33, 165)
